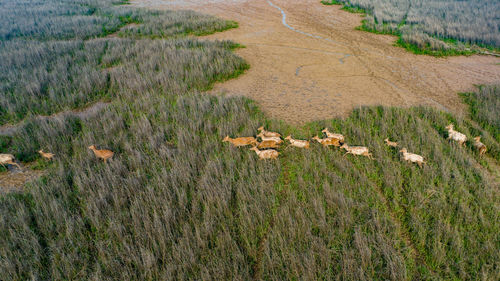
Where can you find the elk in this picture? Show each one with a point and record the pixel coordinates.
(264, 138)
(479, 145)
(411, 157)
(298, 143)
(103, 154)
(238, 142)
(267, 133)
(329, 134)
(267, 144)
(8, 159)
(390, 143)
(328, 141)
(357, 150)
(456, 136)
(266, 154)
(46, 155)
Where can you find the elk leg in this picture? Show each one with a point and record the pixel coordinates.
(14, 163)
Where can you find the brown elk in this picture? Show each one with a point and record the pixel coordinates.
(103, 154)
(240, 141)
(46, 155)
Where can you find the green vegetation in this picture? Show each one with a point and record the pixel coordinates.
(312, 213)
(331, 2)
(423, 48)
(66, 19)
(177, 203)
(483, 107)
(354, 10)
(437, 28)
(48, 75)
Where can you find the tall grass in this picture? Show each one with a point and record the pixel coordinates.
(483, 106)
(48, 77)
(69, 19)
(432, 27)
(176, 202)
(45, 76)
(166, 206)
(447, 210)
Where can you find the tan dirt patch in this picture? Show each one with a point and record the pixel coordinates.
(324, 68)
(15, 179)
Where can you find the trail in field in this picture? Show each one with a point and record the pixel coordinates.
(308, 62)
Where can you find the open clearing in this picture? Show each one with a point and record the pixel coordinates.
(309, 63)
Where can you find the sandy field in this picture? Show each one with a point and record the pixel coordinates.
(308, 62)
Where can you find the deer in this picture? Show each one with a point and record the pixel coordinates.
(267, 133)
(456, 136)
(390, 143)
(238, 142)
(46, 155)
(8, 159)
(297, 143)
(267, 144)
(411, 157)
(264, 138)
(357, 150)
(266, 154)
(328, 141)
(329, 134)
(103, 154)
(479, 145)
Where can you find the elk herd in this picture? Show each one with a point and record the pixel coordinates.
(270, 142)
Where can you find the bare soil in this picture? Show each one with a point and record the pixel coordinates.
(15, 179)
(317, 66)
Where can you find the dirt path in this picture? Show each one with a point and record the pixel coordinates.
(308, 62)
(15, 179)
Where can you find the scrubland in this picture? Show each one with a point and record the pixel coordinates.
(448, 27)
(177, 203)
